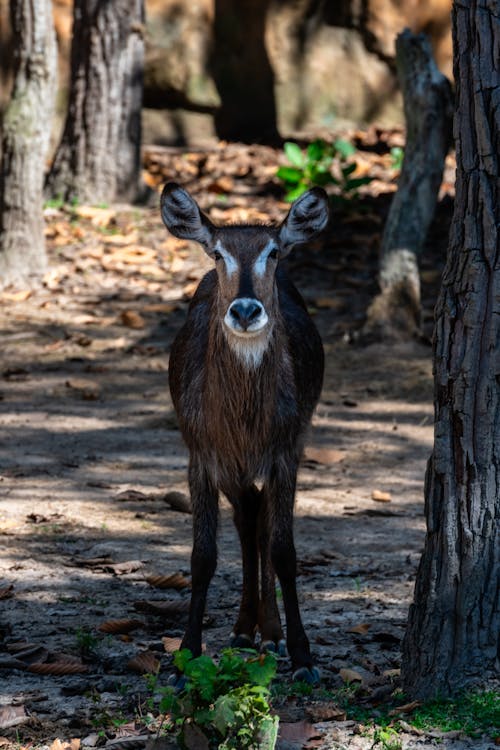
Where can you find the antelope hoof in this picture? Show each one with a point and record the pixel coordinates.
(278, 648)
(242, 640)
(177, 681)
(310, 675)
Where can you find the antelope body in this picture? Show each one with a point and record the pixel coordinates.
(245, 374)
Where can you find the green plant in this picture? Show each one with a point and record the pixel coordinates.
(387, 738)
(86, 641)
(473, 713)
(225, 702)
(314, 167)
(397, 156)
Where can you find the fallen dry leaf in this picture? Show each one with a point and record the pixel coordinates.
(298, 732)
(175, 581)
(87, 389)
(381, 497)
(117, 627)
(73, 744)
(11, 716)
(132, 319)
(7, 592)
(323, 455)
(171, 644)
(350, 675)
(407, 708)
(327, 711)
(122, 568)
(178, 501)
(58, 668)
(362, 628)
(20, 296)
(100, 217)
(170, 608)
(144, 663)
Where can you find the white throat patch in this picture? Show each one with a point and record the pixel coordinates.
(249, 350)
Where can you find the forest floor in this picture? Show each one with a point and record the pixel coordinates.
(95, 537)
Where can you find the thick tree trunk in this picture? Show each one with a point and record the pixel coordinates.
(395, 312)
(242, 72)
(98, 159)
(454, 622)
(25, 140)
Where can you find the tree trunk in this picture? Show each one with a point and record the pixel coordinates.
(454, 623)
(25, 140)
(98, 159)
(395, 312)
(242, 72)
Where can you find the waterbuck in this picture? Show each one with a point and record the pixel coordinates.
(245, 374)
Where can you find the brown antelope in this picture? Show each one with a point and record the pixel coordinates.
(245, 374)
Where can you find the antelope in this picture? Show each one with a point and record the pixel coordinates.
(245, 374)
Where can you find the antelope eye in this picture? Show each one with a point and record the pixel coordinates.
(273, 254)
(217, 255)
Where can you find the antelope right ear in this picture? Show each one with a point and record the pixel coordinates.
(307, 217)
(182, 216)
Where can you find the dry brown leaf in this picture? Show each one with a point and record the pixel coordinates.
(134, 254)
(171, 644)
(144, 663)
(362, 628)
(328, 711)
(121, 240)
(170, 608)
(122, 568)
(323, 455)
(11, 716)
(175, 581)
(116, 627)
(190, 289)
(381, 497)
(178, 501)
(161, 307)
(350, 675)
(330, 303)
(132, 319)
(299, 731)
(88, 390)
(73, 744)
(391, 673)
(7, 592)
(20, 296)
(407, 708)
(100, 217)
(58, 668)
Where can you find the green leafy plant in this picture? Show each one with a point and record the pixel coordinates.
(314, 167)
(397, 156)
(387, 738)
(224, 704)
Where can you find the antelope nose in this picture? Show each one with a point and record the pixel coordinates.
(245, 312)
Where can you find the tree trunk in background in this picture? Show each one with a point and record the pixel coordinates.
(98, 159)
(242, 72)
(395, 312)
(25, 140)
(454, 622)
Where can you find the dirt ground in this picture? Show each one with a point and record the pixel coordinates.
(91, 455)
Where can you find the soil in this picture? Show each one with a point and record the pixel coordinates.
(91, 456)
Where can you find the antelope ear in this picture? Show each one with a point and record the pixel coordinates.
(307, 217)
(182, 216)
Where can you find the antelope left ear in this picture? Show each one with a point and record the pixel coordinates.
(307, 217)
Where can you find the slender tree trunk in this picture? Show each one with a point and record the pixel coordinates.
(454, 621)
(98, 159)
(25, 139)
(395, 312)
(242, 72)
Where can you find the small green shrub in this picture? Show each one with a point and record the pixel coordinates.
(313, 167)
(225, 702)
(397, 156)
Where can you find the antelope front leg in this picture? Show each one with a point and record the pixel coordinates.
(246, 509)
(205, 501)
(284, 561)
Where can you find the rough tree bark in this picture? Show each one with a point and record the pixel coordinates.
(454, 623)
(98, 159)
(25, 140)
(395, 311)
(242, 72)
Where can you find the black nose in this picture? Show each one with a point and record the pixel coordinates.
(245, 312)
